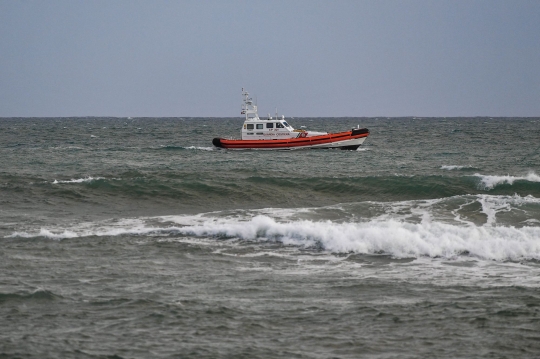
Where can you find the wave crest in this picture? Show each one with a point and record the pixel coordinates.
(422, 234)
(456, 167)
(399, 239)
(78, 180)
(489, 182)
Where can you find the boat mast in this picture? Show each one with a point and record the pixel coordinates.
(248, 107)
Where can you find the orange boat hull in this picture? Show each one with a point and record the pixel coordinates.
(348, 140)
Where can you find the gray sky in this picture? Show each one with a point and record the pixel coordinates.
(308, 58)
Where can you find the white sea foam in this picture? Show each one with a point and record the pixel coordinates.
(490, 182)
(397, 238)
(45, 233)
(200, 148)
(453, 167)
(133, 227)
(78, 180)
(481, 226)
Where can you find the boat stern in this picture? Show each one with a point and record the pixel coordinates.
(359, 131)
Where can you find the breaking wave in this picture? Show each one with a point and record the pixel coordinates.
(421, 233)
(489, 182)
(78, 180)
(399, 239)
(396, 238)
(456, 167)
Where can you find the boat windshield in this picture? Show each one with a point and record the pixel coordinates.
(286, 124)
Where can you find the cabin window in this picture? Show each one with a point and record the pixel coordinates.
(286, 124)
(260, 133)
(250, 126)
(279, 125)
(250, 133)
(259, 126)
(270, 125)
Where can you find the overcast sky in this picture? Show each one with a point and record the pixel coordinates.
(308, 58)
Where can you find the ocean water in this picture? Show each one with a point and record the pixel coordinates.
(135, 238)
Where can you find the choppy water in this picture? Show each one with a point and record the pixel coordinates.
(134, 238)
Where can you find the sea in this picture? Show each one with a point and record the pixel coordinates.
(136, 238)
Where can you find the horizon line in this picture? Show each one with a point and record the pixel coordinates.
(241, 117)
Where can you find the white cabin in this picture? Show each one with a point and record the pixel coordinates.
(256, 128)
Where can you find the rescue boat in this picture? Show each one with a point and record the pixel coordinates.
(276, 134)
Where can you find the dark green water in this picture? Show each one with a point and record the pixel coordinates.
(134, 238)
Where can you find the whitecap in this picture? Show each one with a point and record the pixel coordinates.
(397, 238)
(199, 148)
(453, 167)
(489, 181)
(437, 228)
(78, 180)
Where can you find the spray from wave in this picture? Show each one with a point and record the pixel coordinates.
(433, 228)
(397, 238)
(489, 182)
